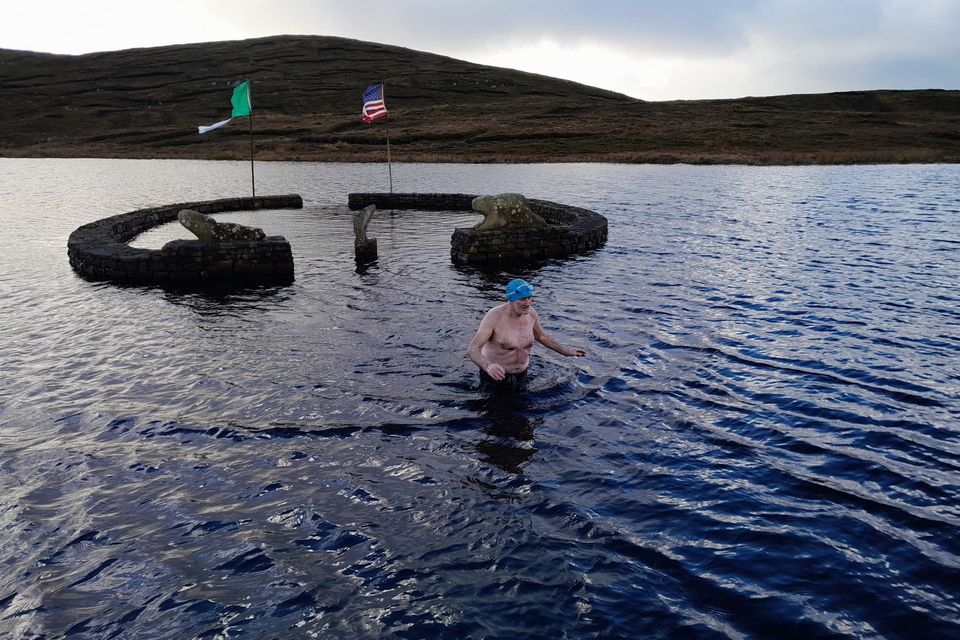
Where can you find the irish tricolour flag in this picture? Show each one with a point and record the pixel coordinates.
(241, 106)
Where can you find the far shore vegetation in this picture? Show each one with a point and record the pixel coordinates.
(306, 92)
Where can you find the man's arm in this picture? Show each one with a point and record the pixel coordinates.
(544, 338)
(483, 335)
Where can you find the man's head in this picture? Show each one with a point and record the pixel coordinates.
(519, 293)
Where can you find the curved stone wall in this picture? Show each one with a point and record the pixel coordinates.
(99, 250)
(572, 230)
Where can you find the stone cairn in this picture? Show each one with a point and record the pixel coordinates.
(209, 230)
(507, 210)
(514, 228)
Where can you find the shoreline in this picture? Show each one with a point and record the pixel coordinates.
(784, 159)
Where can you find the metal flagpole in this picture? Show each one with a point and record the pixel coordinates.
(389, 165)
(253, 183)
(383, 96)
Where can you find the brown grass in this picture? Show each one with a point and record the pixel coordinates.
(146, 103)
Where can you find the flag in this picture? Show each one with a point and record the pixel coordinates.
(373, 105)
(241, 106)
(241, 100)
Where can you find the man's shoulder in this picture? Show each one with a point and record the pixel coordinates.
(494, 314)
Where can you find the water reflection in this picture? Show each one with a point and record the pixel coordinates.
(217, 300)
(511, 434)
(510, 417)
(492, 280)
(365, 265)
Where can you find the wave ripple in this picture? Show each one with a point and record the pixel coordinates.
(761, 443)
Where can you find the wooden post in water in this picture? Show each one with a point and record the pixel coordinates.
(365, 249)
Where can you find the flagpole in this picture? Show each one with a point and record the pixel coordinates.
(389, 164)
(253, 183)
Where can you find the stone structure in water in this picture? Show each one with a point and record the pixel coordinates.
(565, 230)
(99, 250)
(514, 229)
(364, 248)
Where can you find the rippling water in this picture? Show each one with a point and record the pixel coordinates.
(762, 441)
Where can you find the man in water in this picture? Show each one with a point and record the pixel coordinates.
(502, 345)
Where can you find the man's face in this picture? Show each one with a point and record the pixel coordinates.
(522, 306)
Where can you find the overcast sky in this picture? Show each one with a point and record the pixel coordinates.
(654, 50)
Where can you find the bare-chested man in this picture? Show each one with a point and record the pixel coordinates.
(502, 345)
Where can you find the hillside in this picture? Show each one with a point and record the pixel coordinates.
(147, 103)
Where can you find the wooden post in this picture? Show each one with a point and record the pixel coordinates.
(365, 249)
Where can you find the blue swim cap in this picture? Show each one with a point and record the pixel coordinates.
(518, 289)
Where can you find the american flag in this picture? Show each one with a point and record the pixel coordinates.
(373, 105)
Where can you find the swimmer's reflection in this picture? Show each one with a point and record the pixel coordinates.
(510, 441)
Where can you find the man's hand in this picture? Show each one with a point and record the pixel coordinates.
(496, 371)
(576, 353)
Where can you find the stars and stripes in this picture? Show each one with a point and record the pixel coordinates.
(373, 104)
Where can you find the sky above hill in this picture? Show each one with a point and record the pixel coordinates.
(648, 49)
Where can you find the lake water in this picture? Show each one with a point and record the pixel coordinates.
(762, 442)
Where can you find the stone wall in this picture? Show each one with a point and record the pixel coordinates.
(99, 250)
(572, 230)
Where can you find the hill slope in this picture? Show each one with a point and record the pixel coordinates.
(146, 103)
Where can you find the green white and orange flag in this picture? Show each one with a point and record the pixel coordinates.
(241, 106)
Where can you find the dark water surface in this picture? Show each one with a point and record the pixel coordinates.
(762, 442)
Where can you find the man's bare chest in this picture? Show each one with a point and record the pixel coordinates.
(511, 335)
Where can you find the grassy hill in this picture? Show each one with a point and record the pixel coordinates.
(147, 103)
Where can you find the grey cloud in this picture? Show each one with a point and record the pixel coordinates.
(795, 46)
(678, 26)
